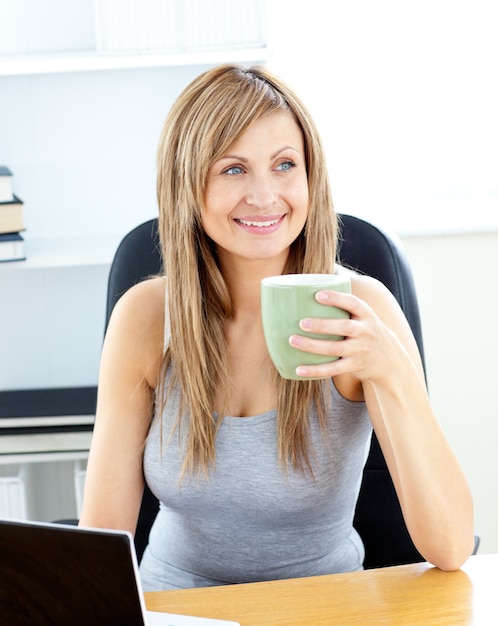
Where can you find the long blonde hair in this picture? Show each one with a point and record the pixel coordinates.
(206, 119)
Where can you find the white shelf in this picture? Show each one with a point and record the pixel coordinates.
(88, 61)
(44, 443)
(50, 420)
(43, 457)
(48, 253)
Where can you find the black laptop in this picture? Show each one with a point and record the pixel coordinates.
(57, 575)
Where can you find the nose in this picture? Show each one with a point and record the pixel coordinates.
(261, 192)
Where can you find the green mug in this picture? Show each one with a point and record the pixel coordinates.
(287, 299)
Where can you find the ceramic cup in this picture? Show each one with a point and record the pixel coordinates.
(287, 299)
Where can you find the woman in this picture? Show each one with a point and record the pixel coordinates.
(258, 476)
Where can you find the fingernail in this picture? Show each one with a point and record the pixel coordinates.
(322, 296)
(295, 340)
(305, 324)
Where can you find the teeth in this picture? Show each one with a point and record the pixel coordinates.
(259, 224)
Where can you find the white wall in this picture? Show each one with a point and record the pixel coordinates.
(405, 95)
(82, 146)
(455, 277)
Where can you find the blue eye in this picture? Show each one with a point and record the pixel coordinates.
(234, 170)
(286, 166)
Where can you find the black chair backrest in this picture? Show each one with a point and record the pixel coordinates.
(371, 251)
(138, 257)
(378, 519)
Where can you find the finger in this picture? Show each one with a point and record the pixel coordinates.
(346, 301)
(342, 327)
(324, 347)
(325, 370)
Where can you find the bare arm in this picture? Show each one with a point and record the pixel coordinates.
(128, 374)
(380, 362)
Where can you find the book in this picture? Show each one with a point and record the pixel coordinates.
(11, 216)
(6, 194)
(11, 247)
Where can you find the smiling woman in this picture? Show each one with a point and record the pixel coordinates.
(258, 475)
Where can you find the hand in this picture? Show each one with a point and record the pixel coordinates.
(369, 350)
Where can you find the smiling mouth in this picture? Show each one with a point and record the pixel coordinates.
(258, 224)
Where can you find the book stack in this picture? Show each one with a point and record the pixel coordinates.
(11, 220)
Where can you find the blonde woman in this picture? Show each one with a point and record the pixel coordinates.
(258, 476)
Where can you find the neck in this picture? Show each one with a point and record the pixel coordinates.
(244, 280)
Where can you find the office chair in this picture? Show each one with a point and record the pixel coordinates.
(362, 247)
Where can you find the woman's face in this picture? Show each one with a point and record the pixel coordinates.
(256, 199)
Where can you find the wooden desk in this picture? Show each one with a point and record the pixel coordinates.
(407, 594)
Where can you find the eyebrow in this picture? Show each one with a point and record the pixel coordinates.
(272, 156)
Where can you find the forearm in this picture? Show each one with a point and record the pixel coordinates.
(113, 491)
(380, 354)
(432, 489)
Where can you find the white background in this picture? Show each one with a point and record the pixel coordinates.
(406, 97)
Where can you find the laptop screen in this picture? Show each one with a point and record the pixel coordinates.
(64, 575)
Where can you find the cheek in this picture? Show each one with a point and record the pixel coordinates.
(215, 213)
(301, 207)
(300, 196)
(212, 205)
(219, 199)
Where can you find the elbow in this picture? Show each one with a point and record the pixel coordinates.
(453, 555)
(451, 564)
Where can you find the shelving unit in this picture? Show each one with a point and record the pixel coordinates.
(41, 432)
(53, 36)
(79, 128)
(91, 61)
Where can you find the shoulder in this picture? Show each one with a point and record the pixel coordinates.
(386, 309)
(136, 326)
(378, 297)
(370, 290)
(145, 298)
(141, 308)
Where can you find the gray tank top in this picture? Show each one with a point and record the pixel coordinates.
(251, 520)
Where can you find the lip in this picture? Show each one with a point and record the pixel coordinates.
(260, 224)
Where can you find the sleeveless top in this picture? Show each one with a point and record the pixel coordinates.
(251, 519)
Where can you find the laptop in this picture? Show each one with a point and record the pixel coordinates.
(71, 576)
